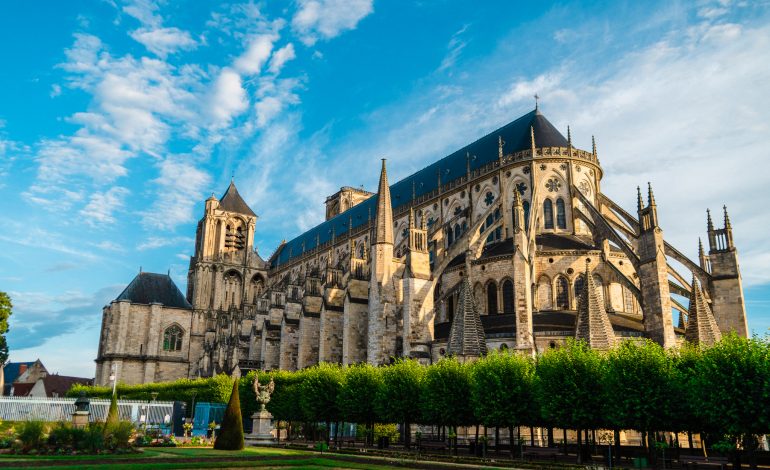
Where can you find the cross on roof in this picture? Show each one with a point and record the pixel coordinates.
(536, 99)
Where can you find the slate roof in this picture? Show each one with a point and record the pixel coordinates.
(466, 336)
(701, 326)
(21, 390)
(148, 288)
(58, 385)
(592, 324)
(232, 201)
(516, 136)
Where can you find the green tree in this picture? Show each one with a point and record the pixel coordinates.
(502, 390)
(355, 402)
(6, 308)
(684, 416)
(231, 432)
(398, 397)
(732, 389)
(446, 395)
(318, 392)
(638, 389)
(568, 382)
(113, 415)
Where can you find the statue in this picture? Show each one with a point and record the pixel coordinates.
(263, 392)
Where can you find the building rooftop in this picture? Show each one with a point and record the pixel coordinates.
(232, 201)
(148, 288)
(516, 137)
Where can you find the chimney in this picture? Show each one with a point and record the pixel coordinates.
(22, 368)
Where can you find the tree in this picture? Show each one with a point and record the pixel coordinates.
(360, 384)
(112, 414)
(398, 397)
(731, 389)
(568, 382)
(446, 395)
(501, 390)
(638, 389)
(231, 432)
(6, 308)
(318, 394)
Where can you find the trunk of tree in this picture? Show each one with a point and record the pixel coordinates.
(689, 439)
(497, 439)
(328, 433)
(278, 431)
(510, 439)
(617, 446)
(579, 446)
(550, 437)
(408, 435)
(652, 454)
(476, 439)
(564, 436)
(531, 436)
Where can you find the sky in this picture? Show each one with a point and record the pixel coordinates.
(119, 118)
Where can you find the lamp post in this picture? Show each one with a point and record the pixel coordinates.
(114, 377)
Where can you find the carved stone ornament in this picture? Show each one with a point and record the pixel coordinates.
(263, 392)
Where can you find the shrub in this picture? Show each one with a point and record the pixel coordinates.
(31, 434)
(118, 434)
(60, 436)
(231, 433)
(112, 414)
(92, 439)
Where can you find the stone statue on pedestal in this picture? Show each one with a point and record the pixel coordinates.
(262, 420)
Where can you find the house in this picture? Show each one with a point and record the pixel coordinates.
(22, 373)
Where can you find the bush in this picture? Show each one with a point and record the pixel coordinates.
(112, 414)
(92, 439)
(60, 436)
(231, 433)
(118, 434)
(31, 434)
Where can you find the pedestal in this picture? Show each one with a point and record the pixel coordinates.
(261, 431)
(80, 419)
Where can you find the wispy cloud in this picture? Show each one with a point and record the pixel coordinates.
(325, 19)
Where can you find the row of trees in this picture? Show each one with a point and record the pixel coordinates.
(722, 391)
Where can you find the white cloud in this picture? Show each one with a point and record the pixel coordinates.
(180, 187)
(145, 11)
(256, 54)
(228, 98)
(102, 205)
(326, 19)
(164, 41)
(160, 242)
(280, 57)
(454, 48)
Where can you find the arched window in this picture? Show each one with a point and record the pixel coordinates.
(361, 249)
(525, 205)
(562, 294)
(257, 286)
(561, 216)
(492, 298)
(508, 305)
(450, 237)
(580, 283)
(548, 213)
(458, 231)
(233, 290)
(172, 338)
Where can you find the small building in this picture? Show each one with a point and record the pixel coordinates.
(22, 373)
(55, 385)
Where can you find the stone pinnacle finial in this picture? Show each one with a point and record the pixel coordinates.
(569, 137)
(383, 230)
(593, 145)
(411, 218)
(468, 265)
(650, 196)
(639, 201)
(701, 326)
(700, 247)
(532, 140)
(500, 144)
(727, 218)
(709, 223)
(516, 197)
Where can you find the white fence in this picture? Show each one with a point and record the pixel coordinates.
(61, 409)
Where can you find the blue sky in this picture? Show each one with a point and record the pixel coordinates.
(117, 120)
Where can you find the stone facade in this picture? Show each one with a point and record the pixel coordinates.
(516, 216)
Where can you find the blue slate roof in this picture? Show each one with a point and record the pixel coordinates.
(148, 288)
(11, 372)
(516, 136)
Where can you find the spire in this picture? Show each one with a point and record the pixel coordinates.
(232, 201)
(383, 230)
(518, 212)
(466, 336)
(532, 139)
(700, 248)
(701, 327)
(709, 223)
(650, 196)
(727, 218)
(411, 218)
(592, 323)
(500, 144)
(593, 146)
(569, 137)
(639, 201)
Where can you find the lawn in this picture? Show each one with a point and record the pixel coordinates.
(178, 458)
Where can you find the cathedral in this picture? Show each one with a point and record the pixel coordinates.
(507, 243)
